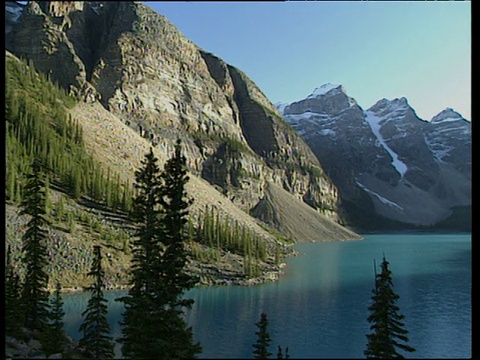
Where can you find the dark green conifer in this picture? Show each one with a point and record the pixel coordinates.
(153, 325)
(279, 352)
(173, 280)
(12, 178)
(96, 341)
(34, 293)
(175, 203)
(263, 339)
(147, 249)
(48, 199)
(54, 338)
(13, 309)
(72, 224)
(388, 331)
(146, 214)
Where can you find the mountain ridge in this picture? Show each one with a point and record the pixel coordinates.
(164, 86)
(138, 83)
(395, 158)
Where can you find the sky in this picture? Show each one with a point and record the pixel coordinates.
(420, 50)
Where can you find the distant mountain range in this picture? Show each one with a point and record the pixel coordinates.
(393, 169)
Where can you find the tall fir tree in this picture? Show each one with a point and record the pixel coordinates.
(147, 249)
(173, 280)
(175, 203)
(146, 214)
(13, 309)
(388, 333)
(153, 325)
(263, 339)
(35, 296)
(96, 341)
(54, 337)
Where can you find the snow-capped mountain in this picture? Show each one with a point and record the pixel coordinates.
(392, 168)
(449, 139)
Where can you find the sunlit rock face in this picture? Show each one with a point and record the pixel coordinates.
(140, 67)
(392, 168)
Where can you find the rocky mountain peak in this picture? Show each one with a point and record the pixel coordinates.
(327, 99)
(446, 115)
(327, 89)
(388, 164)
(385, 106)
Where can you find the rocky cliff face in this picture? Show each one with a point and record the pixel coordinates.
(389, 165)
(143, 71)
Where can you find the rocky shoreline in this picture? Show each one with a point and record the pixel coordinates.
(225, 280)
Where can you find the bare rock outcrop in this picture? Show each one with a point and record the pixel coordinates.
(143, 71)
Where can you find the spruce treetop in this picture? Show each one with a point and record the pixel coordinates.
(388, 331)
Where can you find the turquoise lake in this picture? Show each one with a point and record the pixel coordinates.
(319, 307)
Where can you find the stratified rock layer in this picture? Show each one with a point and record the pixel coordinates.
(147, 75)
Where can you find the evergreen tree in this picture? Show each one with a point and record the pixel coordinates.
(146, 250)
(385, 319)
(173, 280)
(34, 293)
(153, 326)
(54, 338)
(263, 339)
(146, 214)
(175, 205)
(279, 352)
(96, 342)
(48, 200)
(72, 224)
(37, 125)
(13, 310)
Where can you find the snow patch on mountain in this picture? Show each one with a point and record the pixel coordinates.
(446, 130)
(447, 115)
(439, 150)
(447, 120)
(327, 132)
(306, 115)
(310, 123)
(374, 122)
(322, 90)
(379, 197)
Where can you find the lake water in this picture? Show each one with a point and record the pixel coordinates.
(319, 306)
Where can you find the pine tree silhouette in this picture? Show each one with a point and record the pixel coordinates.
(386, 322)
(13, 310)
(96, 341)
(153, 323)
(263, 339)
(35, 296)
(54, 338)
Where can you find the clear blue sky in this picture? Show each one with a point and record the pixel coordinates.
(375, 49)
